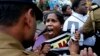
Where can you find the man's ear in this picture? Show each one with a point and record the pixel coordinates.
(29, 18)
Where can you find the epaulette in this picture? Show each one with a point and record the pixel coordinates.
(94, 7)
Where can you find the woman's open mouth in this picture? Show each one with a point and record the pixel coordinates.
(50, 31)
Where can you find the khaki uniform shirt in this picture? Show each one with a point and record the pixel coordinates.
(91, 27)
(11, 47)
(88, 27)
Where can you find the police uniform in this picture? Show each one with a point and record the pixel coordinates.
(92, 27)
(12, 47)
(9, 46)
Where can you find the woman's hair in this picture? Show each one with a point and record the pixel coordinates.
(58, 14)
(64, 8)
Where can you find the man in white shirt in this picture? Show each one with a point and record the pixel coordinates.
(77, 19)
(78, 16)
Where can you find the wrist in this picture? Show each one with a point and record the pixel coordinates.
(42, 53)
(73, 53)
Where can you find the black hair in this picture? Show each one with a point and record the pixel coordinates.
(10, 12)
(47, 7)
(64, 7)
(58, 14)
(75, 4)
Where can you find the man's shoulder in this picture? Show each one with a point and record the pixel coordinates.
(97, 14)
(70, 18)
(95, 11)
(9, 46)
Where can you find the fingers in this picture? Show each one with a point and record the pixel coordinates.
(90, 52)
(43, 49)
(77, 35)
(83, 52)
(86, 52)
(38, 49)
(73, 47)
(46, 48)
(73, 42)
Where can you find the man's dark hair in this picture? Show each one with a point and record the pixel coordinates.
(10, 12)
(75, 4)
(64, 8)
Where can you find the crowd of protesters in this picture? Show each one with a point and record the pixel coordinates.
(74, 18)
(19, 36)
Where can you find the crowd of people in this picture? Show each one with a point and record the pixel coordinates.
(19, 36)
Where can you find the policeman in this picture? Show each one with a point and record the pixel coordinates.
(92, 26)
(17, 27)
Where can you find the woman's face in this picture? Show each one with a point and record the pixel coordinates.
(69, 10)
(53, 25)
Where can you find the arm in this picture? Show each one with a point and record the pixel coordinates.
(87, 29)
(74, 48)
